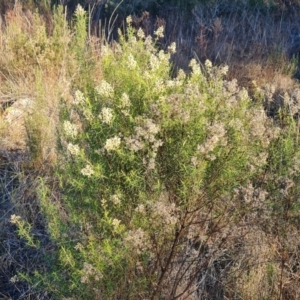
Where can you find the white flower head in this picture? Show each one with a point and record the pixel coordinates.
(88, 113)
(105, 89)
(208, 64)
(148, 42)
(70, 129)
(151, 164)
(79, 97)
(140, 33)
(154, 62)
(195, 67)
(159, 32)
(112, 143)
(73, 149)
(181, 75)
(224, 70)
(14, 279)
(87, 171)
(194, 161)
(15, 219)
(151, 127)
(134, 143)
(116, 223)
(125, 101)
(132, 40)
(89, 271)
(104, 203)
(163, 56)
(129, 20)
(172, 48)
(138, 239)
(115, 199)
(118, 49)
(131, 62)
(106, 115)
(79, 11)
(106, 51)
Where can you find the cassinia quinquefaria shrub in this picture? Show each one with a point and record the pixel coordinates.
(151, 168)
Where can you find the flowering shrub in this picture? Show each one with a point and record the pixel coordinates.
(159, 174)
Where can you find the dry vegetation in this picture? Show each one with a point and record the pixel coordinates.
(249, 252)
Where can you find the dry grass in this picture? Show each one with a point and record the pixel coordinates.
(28, 139)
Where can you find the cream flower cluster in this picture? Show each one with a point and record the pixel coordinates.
(145, 138)
(140, 33)
(73, 149)
(172, 48)
(125, 101)
(144, 133)
(195, 67)
(106, 115)
(166, 211)
(79, 98)
(105, 89)
(129, 20)
(115, 199)
(79, 12)
(138, 239)
(208, 64)
(131, 62)
(15, 219)
(88, 113)
(176, 108)
(159, 32)
(87, 171)
(70, 129)
(112, 144)
(154, 62)
(216, 136)
(148, 43)
(90, 273)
